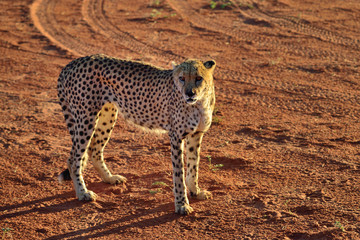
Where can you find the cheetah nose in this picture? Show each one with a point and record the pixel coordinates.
(190, 93)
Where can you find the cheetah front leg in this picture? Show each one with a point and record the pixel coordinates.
(181, 201)
(193, 145)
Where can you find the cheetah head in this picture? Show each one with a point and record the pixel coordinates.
(194, 78)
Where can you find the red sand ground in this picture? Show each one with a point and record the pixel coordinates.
(286, 129)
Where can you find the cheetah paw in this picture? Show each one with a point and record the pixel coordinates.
(88, 196)
(116, 179)
(183, 209)
(203, 195)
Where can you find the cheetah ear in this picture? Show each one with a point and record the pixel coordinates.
(173, 64)
(210, 65)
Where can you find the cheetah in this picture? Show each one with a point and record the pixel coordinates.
(93, 90)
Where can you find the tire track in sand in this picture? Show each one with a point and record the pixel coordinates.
(43, 15)
(41, 12)
(297, 25)
(185, 10)
(286, 96)
(304, 27)
(300, 103)
(93, 12)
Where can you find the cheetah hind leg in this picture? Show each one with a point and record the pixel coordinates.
(106, 121)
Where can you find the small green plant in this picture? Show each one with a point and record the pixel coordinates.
(155, 13)
(171, 15)
(217, 115)
(217, 166)
(217, 120)
(339, 225)
(214, 167)
(155, 3)
(223, 4)
(157, 183)
(209, 158)
(155, 191)
(250, 6)
(213, 4)
(6, 231)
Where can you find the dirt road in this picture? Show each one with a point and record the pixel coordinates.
(282, 157)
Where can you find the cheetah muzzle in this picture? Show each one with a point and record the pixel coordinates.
(93, 90)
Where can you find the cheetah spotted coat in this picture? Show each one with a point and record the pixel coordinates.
(93, 90)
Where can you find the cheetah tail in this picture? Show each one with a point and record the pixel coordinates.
(64, 176)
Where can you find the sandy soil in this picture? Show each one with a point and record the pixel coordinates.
(281, 158)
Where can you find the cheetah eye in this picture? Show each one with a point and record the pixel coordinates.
(182, 80)
(198, 80)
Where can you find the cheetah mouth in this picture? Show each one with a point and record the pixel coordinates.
(191, 100)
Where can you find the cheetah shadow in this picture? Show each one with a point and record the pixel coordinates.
(39, 206)
(44, 206)
(88, 233)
